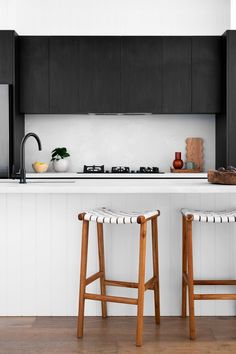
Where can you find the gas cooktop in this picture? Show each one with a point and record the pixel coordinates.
(117, 171)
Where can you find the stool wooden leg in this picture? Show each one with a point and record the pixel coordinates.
(156, 269)
(190, 280)
(141, 283)
(83, 270)
(102, 266)
(184, 266)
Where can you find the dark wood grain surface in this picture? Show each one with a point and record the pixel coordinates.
(34, 74)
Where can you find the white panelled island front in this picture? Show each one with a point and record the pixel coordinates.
(40, 243)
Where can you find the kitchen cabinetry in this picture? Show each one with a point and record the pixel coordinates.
(64, 64)
(176, 75)
(6, 57)
(100, 74)
(207, 78)
(34, 74)
(226, 121)
(141, 83)
(120, 74)
(12, 120)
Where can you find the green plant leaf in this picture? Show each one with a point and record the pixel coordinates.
(59, 153)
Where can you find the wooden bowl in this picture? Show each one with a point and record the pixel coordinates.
(40, 167)
(219, 177)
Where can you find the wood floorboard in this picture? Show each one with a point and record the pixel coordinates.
(115, 335)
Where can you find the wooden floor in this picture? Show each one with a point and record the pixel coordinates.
(115, 335)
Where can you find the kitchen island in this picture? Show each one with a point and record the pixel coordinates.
(120, 185)
(40, 242)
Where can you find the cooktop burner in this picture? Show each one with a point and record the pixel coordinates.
(148, 170)
(94, 169)
(119, 169)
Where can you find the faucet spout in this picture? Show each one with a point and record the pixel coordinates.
(22, 154)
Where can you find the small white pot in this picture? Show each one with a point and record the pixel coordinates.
(61, 165)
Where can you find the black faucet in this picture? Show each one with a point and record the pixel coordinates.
(22, 155)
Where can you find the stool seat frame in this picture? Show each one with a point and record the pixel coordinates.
(141, 285)
(188, 281)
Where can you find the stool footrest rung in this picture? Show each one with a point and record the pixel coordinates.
(214, 282)
(149, 285)
(122, 284)
(93, 277)
(122, 300)
(214, 296)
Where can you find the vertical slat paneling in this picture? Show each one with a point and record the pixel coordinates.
(163, 203)
(44, 230)
(3, 255)
(175, 251)
(193, 201)
(206, 260)
(222, 258)
(40, 252)
(73, 253)
(28, 255)
(86, 203)
(13, 215)
(123, 244)
(58, 253)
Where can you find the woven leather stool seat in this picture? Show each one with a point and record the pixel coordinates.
(109, 216)
(223, 216)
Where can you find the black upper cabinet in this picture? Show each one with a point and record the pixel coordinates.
(6, 56)
(100, 74)
(64, 74)
(207, 74)
(9, 74)
(176, 75)
(226, 122)
(141, 74)
(34, 74)
(118, 74)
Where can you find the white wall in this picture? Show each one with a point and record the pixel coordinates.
(157, 139)
(120, 140)
(233, 14)
(150, 17)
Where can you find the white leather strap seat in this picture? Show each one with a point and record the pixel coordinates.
(109, 216)
(224, 216)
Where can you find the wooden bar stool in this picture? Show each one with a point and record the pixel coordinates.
(188, 281)
(102, 216)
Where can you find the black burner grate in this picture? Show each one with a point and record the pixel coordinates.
(94, 169)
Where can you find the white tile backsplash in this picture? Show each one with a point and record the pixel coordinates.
(119, 140)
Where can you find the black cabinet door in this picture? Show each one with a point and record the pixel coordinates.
(6, 57)
(34, 74)
(176, 95)
(230, 94)
(141, 82)
(64, 74)
(207, 83)
(100, 74)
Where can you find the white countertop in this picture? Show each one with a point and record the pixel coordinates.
(114, 186)
(74, 175)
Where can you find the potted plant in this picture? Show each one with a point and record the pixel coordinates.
(60, 159)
